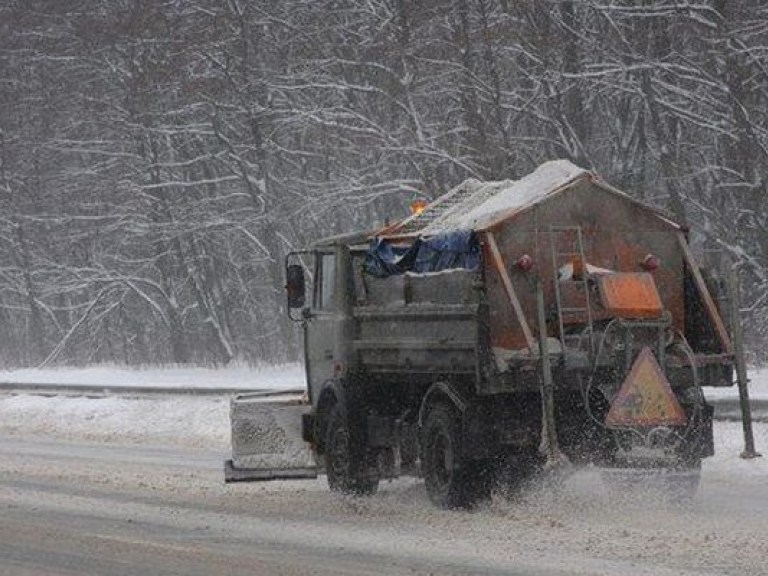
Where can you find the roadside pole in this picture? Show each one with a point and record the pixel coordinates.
(741, 368)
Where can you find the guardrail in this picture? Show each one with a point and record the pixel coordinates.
(100, 391)
(729, 409)
(726, 409)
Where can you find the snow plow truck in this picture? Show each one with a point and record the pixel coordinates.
(505, 327)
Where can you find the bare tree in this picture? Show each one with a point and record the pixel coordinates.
(159, 159)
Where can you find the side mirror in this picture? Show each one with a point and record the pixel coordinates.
(295, 285)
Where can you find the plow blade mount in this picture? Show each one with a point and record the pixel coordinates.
(266, 438)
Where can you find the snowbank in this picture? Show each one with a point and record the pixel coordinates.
(273, 377)
(729, 443)
(184, 421)
(758, 387)
(204, 423)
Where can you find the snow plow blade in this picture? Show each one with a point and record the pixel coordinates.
(266, 438)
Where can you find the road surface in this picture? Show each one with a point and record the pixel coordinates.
(72, 508)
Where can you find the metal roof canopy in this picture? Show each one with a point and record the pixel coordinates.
(481, 206)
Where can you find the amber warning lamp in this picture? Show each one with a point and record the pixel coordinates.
(418, 206)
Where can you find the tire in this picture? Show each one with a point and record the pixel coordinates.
(452, 481)
(346, 460)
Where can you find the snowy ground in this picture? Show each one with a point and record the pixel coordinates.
(204, 423)
(183, 421)
(187, 421)
(81, 508)
(196, 422)
(581, 530)
(758, 387)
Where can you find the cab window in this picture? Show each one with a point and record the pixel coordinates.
(326, 267)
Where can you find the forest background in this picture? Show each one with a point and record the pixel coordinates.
(159, 158)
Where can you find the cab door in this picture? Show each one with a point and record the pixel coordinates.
(321, 325)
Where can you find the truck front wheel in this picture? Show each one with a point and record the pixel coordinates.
(452, 480)
(346, 458)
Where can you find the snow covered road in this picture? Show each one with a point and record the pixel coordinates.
(135, 486)
(106, 507)
(84, 508)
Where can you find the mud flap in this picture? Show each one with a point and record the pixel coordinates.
(266, 438)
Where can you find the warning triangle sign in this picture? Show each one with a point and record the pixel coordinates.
(645, 397)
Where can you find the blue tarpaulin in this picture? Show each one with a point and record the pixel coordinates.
(457, 249)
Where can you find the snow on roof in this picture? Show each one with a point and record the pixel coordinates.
(476, 205)
(490, 201)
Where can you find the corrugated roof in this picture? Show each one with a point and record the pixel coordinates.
(509, 197)
(477, 205)
(469, 193)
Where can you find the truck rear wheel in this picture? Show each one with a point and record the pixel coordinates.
(452, 480)
(346, 459)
